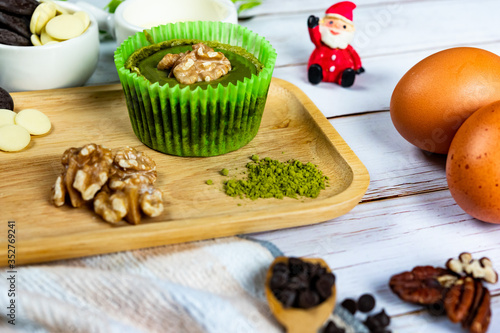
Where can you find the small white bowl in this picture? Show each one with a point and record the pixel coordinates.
(133, 16)
(62, 65)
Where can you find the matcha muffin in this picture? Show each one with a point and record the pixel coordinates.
(199, 118)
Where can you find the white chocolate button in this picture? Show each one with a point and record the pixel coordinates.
(42, 14)
(64, 27)
(35, 40)
(46, 38)
(59, 9)
(7, 117)
(13, 138)
(84, 17)
(34, 121)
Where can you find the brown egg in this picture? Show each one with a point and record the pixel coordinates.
(435, 96)
(473, 164)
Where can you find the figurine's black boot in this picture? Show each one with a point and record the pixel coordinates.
(348, 78)
(315, 74)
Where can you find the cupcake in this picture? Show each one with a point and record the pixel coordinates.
(204, 118)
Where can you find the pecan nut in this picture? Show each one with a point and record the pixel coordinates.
(423, 285)
(468, 302)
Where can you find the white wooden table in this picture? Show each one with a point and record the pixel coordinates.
(407, 216)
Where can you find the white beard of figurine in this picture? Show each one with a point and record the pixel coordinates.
(339, 41)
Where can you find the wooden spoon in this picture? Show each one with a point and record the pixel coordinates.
(297, 320)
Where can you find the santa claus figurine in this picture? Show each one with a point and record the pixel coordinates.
(333, 60)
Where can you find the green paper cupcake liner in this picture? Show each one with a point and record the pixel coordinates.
(201, 121)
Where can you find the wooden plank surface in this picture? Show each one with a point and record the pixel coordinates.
(385, 237)
(291, 126)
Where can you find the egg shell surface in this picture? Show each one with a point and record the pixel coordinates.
(435, 96)
(473, 164)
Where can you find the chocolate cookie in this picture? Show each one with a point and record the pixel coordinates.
(19, 7)
(8, 37)
(17, 24)
(6, 101)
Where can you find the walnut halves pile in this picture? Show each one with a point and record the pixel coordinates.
(457, 290)
(200, 64)
(120, 184)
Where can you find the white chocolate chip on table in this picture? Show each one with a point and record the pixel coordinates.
(34, 121)
(7, 117)
(16, 128)
(13, 138)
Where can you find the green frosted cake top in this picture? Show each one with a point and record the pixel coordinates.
(144, 62)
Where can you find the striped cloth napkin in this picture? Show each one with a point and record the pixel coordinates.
(207, 286)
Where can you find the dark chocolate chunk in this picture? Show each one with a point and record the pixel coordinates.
(287, 297)
(332, 328)
(308, 299)
(324, 285)
(300, 283)
(6, 101)
(278, 280)
(296, 266)
(17, 24)
(377, 321)
(383, 318)
(19, 7)
(280, 267)
(350, 305)
(8, 37)
(366, 303)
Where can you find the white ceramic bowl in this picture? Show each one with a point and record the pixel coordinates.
(66, 64)
(133, 16)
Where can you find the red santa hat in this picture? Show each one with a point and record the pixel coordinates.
(342, 10)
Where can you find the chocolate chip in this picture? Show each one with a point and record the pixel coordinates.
(297, 283)
(286, 297)
(19, 7)
(280, 267)
(6, 101)
(383, 318)
(350, 305)
(332, 328)
(366, 303)
(308, 299)
(279, 280)
(296, 266)
(377, 321)
(310, 283)
(324, 285)
(8, 37)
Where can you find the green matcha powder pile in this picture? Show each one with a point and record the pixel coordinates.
(267, 178)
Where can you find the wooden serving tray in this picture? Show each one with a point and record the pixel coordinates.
(292, 128)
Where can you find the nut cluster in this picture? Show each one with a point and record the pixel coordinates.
(120, 184)
(457, 290)
(200, 64)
